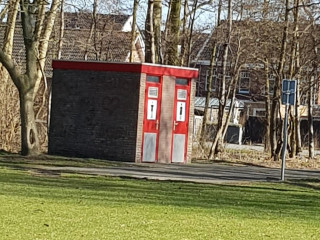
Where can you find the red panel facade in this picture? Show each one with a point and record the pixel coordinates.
(181, 113)
(152, 107)
(162, 112)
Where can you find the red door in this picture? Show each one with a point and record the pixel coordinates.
(151, 119)
(180, 120)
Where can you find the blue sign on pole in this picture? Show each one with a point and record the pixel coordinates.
(288, 91)
(287, 98)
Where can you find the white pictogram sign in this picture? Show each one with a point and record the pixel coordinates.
(181, 112)
(153, 92)
(182, 94)
(152, 109)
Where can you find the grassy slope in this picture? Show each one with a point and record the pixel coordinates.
(83, 207)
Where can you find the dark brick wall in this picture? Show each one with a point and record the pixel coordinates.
(94, 114)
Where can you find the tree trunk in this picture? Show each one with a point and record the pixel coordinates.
(217, 144)
(133, 30)
(173, 33)
(267, 102)
(297, 114)
(293, 61)
(166, 30)
(310, 119)
(149, 35)
(61, 34)
(29, 133)
(13, 7)
(157, 15)
(297, 119)
(275, 109)
(189, 41)
(203, 133)
(184, 33)
(92, 30)
(265, 9)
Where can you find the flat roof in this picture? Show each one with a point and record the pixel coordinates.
(148, 68)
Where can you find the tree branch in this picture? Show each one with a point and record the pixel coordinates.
(12, 69)
(48, 29)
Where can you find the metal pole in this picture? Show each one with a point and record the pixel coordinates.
(285, 134)
(284, 147)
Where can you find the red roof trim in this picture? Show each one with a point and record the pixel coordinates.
(126, 67)
(170, 71)
(96, 66)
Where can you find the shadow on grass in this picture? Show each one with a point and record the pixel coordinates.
(238, 162)
(306, 183)
(263, 200)
(15, 160)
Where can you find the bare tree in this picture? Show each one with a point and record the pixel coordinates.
(92, 28)
(61, 34)
(275, 147)
(37, 24)
(153, 32)
(172, 41)
(157, 15)
(267, 103)
(133, 28)
(210, 78)
(184, 32)
(149, 34)
(8, 93)
(218, 140)
(292, 65)
(310, 119)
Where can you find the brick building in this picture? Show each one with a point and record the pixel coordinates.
(124, 112)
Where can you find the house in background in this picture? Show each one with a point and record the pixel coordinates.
(103, 38)
(251, 43)
(100, 38)
(251, 89)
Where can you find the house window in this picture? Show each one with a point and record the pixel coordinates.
(214, 80)
(244, 82)
(304, 100)
(272, 79)
(227, 78)
(259, 112)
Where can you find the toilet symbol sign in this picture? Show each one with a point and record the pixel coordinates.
(152, 109)
(181, 112)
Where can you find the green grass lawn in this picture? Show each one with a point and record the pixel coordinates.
(86, 207)
(15, 160)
